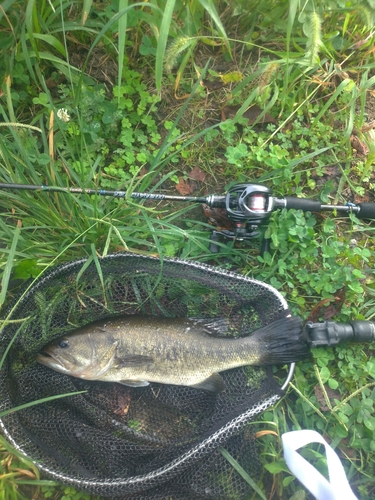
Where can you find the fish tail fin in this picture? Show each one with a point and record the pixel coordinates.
(281, 342)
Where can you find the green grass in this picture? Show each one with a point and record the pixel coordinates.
(87, 100)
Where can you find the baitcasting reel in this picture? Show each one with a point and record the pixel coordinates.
(250, 206)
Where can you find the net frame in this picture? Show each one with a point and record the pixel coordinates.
(217, 436)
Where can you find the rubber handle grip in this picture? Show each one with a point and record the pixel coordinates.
(363, 331)
(366, 211)
(303, 204)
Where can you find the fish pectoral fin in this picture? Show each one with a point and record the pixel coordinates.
(134, 360)
(213, 383)
(134, 383)
(106, 361)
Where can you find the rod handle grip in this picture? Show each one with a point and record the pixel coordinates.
(366, 211)
(331, 333)
(302, 204)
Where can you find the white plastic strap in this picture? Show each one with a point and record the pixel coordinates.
(337, 488)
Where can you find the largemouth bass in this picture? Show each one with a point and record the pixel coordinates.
(135, 350)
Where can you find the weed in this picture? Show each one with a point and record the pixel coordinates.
(20, 479)
(65, 493)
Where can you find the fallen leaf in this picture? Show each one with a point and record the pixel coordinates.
(359, 145)
(265, 433)
(365, 198)
(213, 85)
(184, 187)
(252, 114)
(327, 308)
(334, 308)
(233, 76)
(197, 174)
(332, 395)
(332, 171)
(369, 126)
(218, 217)
(344, 449)
(360, 44)
(121, 401)
(142, 172)
(316, 312)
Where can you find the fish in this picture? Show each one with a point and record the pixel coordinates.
(137, 350)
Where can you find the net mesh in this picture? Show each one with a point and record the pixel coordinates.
(153, 442)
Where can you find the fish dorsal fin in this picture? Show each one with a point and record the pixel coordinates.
(212, 326)
(214, 383)
(133, 360)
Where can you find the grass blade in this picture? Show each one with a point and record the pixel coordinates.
(39, 401)
(9, 263)
(122, 25)
(100, 272)
(242, 473)
(209, 5)
(86, 11)
(293, 4)
(38, 482)
(9, 99)
(162, 42)
(333, 97)
(25, 53)
(51, 40)
(30, 17)
(247, 103)
(5, 6)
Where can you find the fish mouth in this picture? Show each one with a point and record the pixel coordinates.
(51, 361)
(45, 354)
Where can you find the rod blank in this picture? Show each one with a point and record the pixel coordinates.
(105, 192)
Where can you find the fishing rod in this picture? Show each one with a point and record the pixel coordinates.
(248, 206)
(243, 201)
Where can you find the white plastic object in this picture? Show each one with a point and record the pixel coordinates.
(337, 488)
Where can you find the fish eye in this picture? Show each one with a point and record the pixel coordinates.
(63, 344)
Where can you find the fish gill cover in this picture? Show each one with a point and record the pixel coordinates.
(151, 442)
